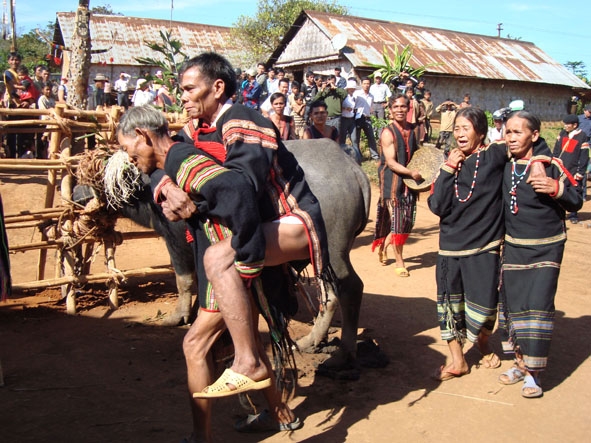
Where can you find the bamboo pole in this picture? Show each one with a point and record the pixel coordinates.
(59, 243)
(24, 225)
(67, 113)
(33, 167)
(93, 278)
(54, 144)
(47, 215)
(18, 124)
(52, 129)
(62, 160)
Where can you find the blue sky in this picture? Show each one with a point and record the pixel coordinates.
(556, 29)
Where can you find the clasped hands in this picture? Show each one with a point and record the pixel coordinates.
(177, 205)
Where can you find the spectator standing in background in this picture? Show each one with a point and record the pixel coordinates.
(381, 93)
(428, 104)
(364, 101)
(122, 89)
(340, 82)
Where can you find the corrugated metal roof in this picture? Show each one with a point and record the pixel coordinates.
(459, 53)
(125, 36)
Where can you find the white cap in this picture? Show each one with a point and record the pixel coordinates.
(140, 82)
(351, 84)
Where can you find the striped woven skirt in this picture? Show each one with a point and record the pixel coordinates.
(528, 287)
(395, 216)
(467, 295)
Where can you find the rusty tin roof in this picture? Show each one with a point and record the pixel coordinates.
(124, 37)
(455, 53)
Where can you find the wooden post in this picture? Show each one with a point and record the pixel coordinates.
(54, 144)
(110, 262)
(115, 116)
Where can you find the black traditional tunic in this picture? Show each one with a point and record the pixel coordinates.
(394, 192)
(573, 149)
(248, 144)
(534, 246)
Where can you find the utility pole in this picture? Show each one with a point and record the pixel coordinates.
(499, 29)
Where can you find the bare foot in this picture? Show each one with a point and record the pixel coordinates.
(451, 371)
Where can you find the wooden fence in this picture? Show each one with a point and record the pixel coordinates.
(64, 125)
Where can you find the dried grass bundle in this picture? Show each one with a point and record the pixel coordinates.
(121, 179)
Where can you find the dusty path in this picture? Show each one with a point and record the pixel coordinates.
(118, 376)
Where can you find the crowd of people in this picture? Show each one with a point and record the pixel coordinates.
(347, 107)
(249, 208)
(24, 90)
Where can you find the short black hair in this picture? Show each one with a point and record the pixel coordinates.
(213, 66)
(318, 104)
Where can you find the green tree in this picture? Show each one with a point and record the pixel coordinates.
(170, 60)
(577, 68)
(263, 32)
(30, 46)
(105, 10)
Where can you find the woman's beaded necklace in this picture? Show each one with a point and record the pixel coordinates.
(464, 200)
(514, 183)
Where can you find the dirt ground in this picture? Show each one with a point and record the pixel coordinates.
(103, 376)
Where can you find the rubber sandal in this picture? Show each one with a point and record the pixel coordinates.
(263, 422)
(514, 375)
(241, 382)
(402, 272)
(529, 382)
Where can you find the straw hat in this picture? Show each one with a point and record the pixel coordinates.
(100, 78)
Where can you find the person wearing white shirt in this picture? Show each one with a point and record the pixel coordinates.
(267, 108)
(364, 101)
(348, 127)
(381, 93)
(122, 86)
(272, 81)
(497, 132)
(143, 95)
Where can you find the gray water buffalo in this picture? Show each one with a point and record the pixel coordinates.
(344, 193)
